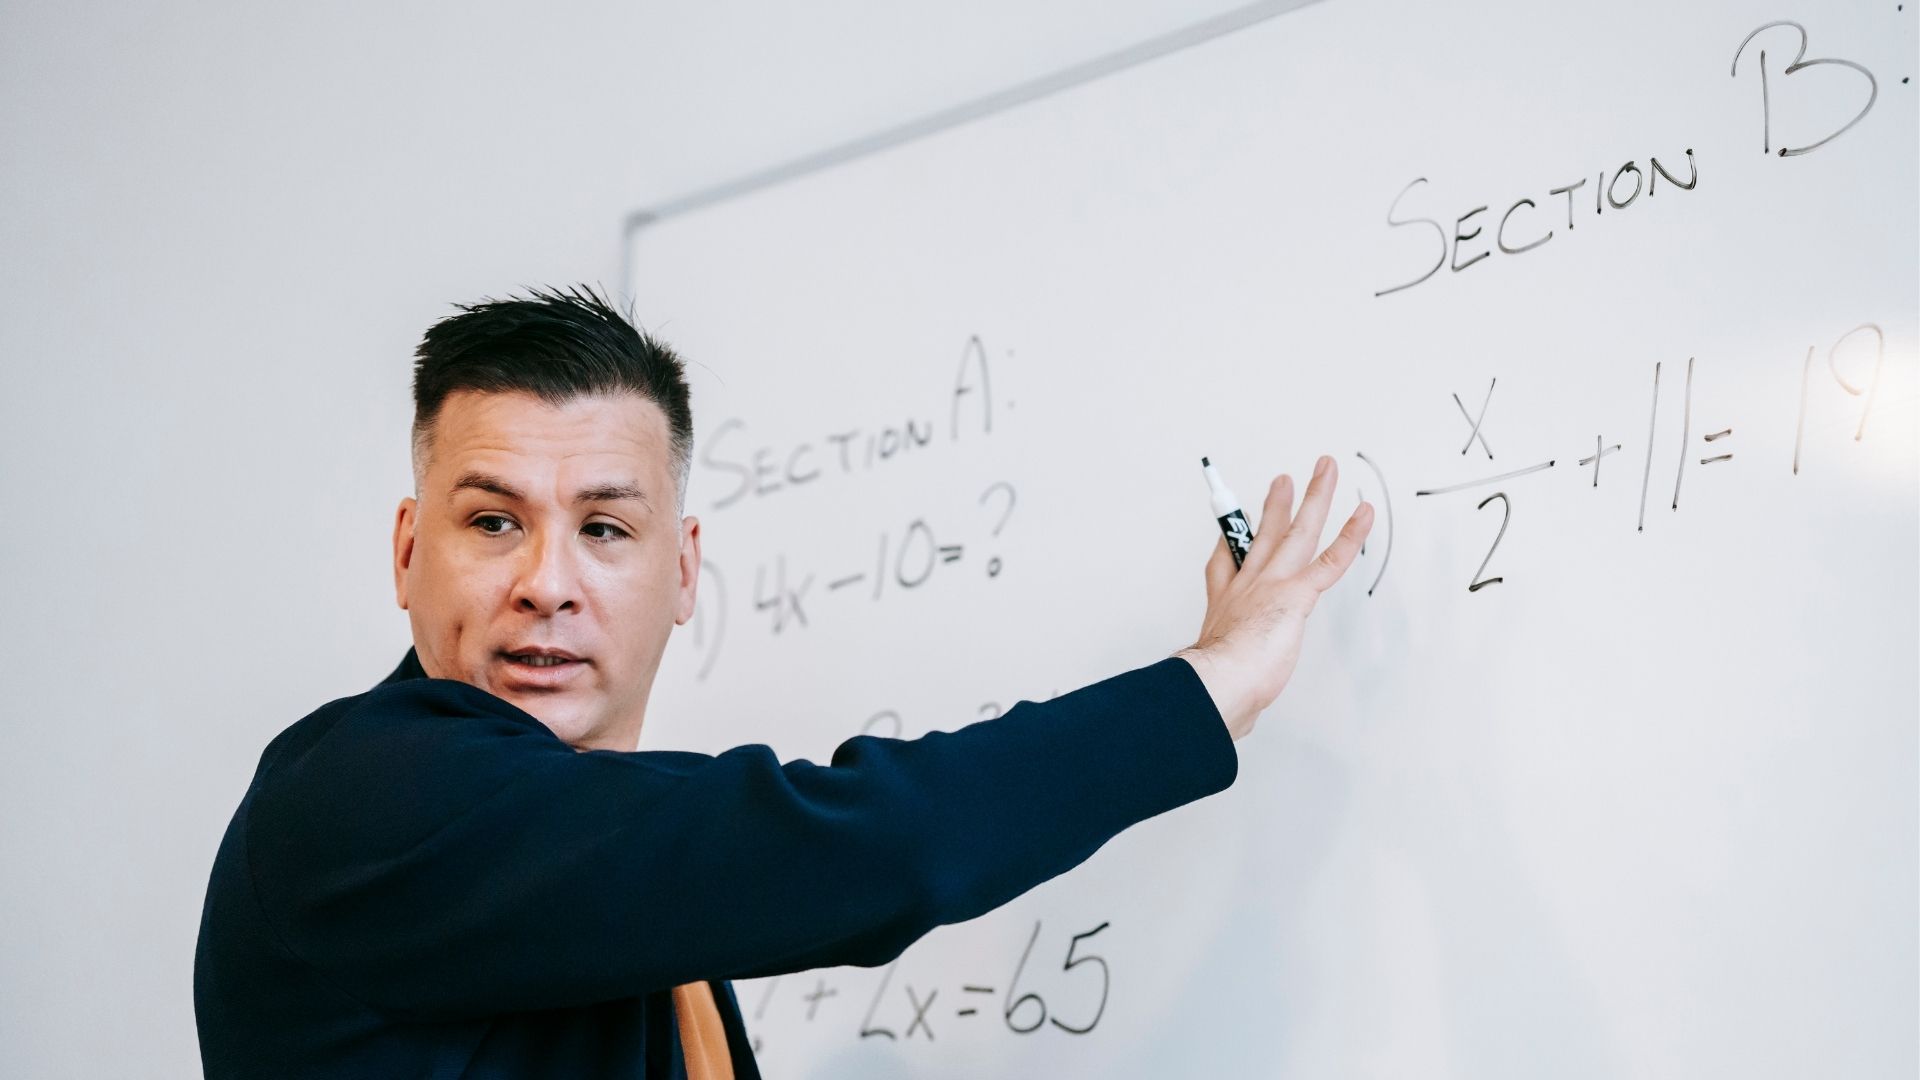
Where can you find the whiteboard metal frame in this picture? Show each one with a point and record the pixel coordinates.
(1199, 33)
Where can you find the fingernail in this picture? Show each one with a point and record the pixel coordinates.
(1320, 467)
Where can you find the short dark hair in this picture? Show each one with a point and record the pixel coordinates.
(558, 344)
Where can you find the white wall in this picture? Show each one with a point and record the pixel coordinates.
(223, 227)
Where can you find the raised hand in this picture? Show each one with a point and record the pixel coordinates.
(1256, 617)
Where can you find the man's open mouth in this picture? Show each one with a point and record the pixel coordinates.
(535, 660)
(550, 663)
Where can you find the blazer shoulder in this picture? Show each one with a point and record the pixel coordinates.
(383, 765)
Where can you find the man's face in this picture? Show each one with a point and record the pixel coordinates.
(544, 561)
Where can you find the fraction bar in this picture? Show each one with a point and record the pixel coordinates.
(1487, 480)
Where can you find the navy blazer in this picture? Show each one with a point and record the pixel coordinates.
(424, 881)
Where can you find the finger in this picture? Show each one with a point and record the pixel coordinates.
(1322, 572)
(1274, 516)
(1219, 569)
(1296, 547)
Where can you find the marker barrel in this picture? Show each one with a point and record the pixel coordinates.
(1226, 509)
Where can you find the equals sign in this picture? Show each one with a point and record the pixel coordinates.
(950, 553)
(973, 990)
(1722, 457)
(844, 581)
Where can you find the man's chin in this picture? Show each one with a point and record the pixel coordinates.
(561, 713)
(570, 706)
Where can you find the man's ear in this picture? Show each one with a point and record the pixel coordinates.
(403, 523)
(689, 569)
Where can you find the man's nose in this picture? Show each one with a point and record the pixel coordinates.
(549, 581)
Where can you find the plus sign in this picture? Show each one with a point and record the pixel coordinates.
(813, 1000)
(1598, 453)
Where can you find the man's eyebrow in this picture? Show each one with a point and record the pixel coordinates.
(488, 482)
(611, 493)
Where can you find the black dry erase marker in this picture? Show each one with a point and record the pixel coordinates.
(1233, 523)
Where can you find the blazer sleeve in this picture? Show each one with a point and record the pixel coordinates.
(440, 854)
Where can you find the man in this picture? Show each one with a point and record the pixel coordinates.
(470, 871)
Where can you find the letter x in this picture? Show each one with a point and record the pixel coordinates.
(1475, 421)
(920, 1013)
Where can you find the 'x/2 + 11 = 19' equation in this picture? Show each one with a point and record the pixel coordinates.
(1706, 445)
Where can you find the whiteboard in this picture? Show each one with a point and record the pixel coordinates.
(1642, 803)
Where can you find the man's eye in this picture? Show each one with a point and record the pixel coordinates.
(492, 524)
(613, 532)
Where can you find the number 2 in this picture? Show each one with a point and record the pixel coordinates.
(1507, 505)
